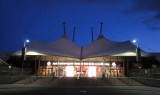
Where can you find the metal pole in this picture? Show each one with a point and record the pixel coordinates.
(80, 67)
(92, 33)
(101, 28)
(74, 33)
(23, 58)
(104, 69)
(35, 64)
(24, 43)
(39, 66)
(127, 67)
(64, 27)
(116, 71)
(137, 44)
(22, 66)
(110, 68)
(123, 68)
(58, 68)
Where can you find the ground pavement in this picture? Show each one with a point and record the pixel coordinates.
(32, 89)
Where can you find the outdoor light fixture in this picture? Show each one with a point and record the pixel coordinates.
(134, 41)
(26, 41)
(138, 52)
(24, 49)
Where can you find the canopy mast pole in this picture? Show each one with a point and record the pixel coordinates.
(92, 33)
(64, 27)
(74, 33)
(101, 28)
(80, 67)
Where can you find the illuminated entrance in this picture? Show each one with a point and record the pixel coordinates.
(92, 71)
(69, 71)
(85, 69)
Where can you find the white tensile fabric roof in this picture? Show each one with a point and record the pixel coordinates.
(61, 47)
(104, 47)
(66, 48)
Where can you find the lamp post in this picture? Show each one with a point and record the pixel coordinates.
(138, 51)
(24, 54)
(135, 41)
(26, 41)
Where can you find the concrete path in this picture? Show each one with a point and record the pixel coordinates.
(10, 86)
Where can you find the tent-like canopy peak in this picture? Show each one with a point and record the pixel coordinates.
(66, 48)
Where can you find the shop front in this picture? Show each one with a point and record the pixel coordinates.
(81, 69)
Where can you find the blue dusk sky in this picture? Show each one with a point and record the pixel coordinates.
(42, 20)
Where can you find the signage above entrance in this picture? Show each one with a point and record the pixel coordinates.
(78, 64)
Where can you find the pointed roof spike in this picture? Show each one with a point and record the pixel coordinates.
(92, 33)
(74, 33)
(64, 28)
(101, 28)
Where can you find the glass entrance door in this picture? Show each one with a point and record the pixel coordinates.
(92, 71)
(46, 71)
(114, 73)
(69, 71)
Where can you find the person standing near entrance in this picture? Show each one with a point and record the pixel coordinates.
(107, 72)
(53, 73)
(103, 75)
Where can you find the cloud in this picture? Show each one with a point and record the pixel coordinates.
(151, 8)
(155, 28)
(157, 16)
(144, 6)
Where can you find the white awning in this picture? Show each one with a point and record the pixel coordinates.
(66, 48)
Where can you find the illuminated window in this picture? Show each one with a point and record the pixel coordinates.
(49, 63)
(113, 64)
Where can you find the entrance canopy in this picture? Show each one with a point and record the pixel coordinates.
(104, 47)
(61, 47)
(66, 48)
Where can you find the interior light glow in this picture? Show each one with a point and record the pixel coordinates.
(126, 54)
(107, 64)
(33, 53)
(76, 63)
(69, 71)
(9, 66)
(54, 63)
(92, 71)
(84, 64)
(113, 64)
(49, 63)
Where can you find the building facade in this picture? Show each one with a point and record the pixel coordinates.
(64, 58)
